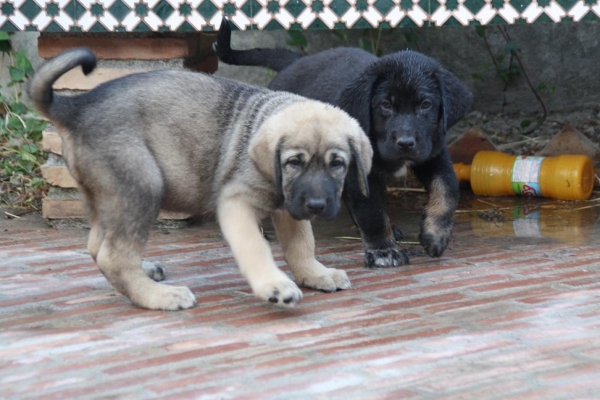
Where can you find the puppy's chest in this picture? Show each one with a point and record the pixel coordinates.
(402, 171)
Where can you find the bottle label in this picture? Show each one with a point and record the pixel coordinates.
(526, 175)
(526, 221)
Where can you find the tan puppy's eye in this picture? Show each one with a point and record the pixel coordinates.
(294, 162)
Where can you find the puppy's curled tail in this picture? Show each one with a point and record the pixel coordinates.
(39, 87)
(275, 59)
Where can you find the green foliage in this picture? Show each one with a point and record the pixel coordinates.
(21, 129)
(525, 123)
(297, 39)
(509, 67)
(502, 63)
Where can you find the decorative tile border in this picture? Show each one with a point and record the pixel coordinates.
(205, 15)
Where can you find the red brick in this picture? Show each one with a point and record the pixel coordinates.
(515, 283)
(390, 340)
(175, 358)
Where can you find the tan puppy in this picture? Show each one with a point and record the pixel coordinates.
(189, 142)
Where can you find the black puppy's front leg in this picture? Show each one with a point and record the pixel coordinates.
(372, 221)
(437, 174)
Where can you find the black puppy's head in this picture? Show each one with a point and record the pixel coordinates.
(406, 102)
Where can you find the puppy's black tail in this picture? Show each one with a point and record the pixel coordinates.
(39, 88)
(275, 59)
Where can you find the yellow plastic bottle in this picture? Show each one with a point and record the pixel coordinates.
(568, 177)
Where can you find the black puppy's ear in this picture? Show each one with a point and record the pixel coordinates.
(356, 99)
(456, 98)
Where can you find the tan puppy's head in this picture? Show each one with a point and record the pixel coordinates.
(307, 148)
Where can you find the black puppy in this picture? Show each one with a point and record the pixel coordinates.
(405, 102)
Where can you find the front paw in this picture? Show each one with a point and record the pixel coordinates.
(284, 293)
(435, 243)
(390, 257)
(327, 280)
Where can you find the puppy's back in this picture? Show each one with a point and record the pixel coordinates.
(322, 76)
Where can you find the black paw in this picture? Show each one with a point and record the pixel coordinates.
(398, 235)
(390, 257)
(275, 298)
(434, 245)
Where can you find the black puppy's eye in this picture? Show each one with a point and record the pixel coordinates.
(385, 105)
(426, 105)
(336, 163)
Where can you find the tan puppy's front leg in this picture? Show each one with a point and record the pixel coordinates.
(298, 243)
(239, 224)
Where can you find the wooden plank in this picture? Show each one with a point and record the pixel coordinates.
(121, 48)
(76, 80)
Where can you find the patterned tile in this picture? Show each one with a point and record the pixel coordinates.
(205, 15)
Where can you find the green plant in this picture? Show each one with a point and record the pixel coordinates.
(21, 129)
(509, 72)
(370, 39)
(371, 43)
(298, 40)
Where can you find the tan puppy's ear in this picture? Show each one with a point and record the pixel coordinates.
(264, 151)
(362, 153)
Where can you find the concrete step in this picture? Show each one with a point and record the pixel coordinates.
(69, 208)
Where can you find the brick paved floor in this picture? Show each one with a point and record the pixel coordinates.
(499, 316)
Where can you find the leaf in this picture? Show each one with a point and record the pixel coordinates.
(5, 46)
(514, 70)
(525, 123)
(18, 108)
(297, 39)
(481, 30)
(31, 148)
(16, 74)
(512, 47)
(342, 35)
(363, 44)
(14, 124)
(34, 128)
(37, 183)
(27, 156)
(411, 37)
(23, 63)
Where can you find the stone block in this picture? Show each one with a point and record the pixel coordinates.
(63, 208)
(58, 176)
(464, 148)
(51, 142)
(570, 141)
(69, 208)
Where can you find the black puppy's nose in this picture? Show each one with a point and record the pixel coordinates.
(405, 143)
(316, 206)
